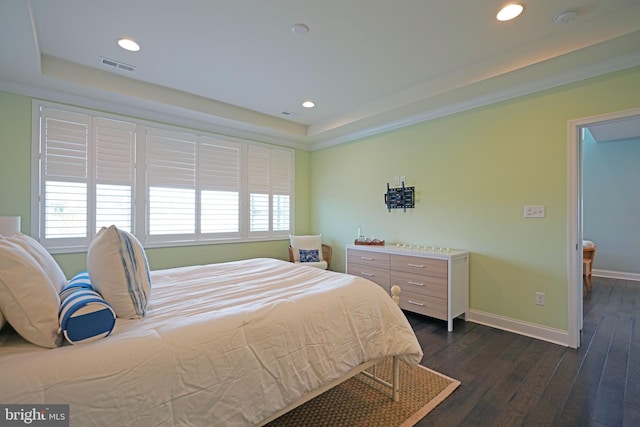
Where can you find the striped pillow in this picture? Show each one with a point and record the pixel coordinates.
(119, 270)
(79, 281)
(84, 316)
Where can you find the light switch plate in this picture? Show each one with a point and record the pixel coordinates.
(534, 211)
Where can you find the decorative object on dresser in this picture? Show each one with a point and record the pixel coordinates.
(374, 242)
(362, 240)
(434, 282)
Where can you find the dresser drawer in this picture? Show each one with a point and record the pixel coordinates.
(373, 273)
(429, 306)
(434, 284)
(368, 258)
(420, 284)
(419, 265)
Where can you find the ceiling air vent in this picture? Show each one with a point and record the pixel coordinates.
(116, 64)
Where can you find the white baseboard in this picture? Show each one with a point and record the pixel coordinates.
(556, 336)
(616, 274)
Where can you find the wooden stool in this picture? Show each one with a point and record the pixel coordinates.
(588, 254)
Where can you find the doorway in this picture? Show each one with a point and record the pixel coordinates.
(574, 214)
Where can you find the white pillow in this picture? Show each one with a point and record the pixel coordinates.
(42, 257)
(119, 271)
(305, 242)
(28, 299)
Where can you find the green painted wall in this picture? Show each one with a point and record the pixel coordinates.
(15, 160)
(611, 202)
(302, 194)
(473, 173)
(15, 188)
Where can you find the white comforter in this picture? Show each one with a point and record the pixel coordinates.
(222, 344)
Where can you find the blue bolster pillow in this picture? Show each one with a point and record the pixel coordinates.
(79, 281)
(84, 315)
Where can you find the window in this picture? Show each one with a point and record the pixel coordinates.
(166, 185)
(171, 179)
(114, 163)
(65, 174)
(86, 166)
(269, 189)
(219, 177)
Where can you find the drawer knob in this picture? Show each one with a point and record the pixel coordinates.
(415, 303)
(366, 258)
(367, 274)
(415, 283)
(416, 265)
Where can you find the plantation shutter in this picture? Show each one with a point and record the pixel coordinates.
(219, 184)
(270, 189)
(64, 148)
(259, 167)
(281, 188)
(115, 155)
(171, 181)
(166, 185)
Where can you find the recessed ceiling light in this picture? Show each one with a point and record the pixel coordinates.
(509, 12)
(308, 104)
(129, 45)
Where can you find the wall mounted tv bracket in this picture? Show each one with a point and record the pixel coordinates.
(400, 197)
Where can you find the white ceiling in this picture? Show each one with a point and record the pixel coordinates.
(370, 65)
(616, 130)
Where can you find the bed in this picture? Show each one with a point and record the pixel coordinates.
(233, 343)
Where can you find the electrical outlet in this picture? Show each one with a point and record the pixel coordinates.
(403, 180)
(540, 298)
(396, 180)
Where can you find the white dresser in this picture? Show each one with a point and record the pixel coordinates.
(434, 283)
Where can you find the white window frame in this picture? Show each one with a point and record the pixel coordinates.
(279, 182)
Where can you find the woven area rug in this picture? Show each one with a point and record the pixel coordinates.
(360, 401)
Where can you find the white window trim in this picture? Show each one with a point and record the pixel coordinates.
(139, 226)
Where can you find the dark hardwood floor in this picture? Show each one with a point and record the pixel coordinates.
(512, 380)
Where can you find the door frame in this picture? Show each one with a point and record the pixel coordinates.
(574, 215)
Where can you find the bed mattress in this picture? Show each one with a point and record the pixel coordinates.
(221, 344)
